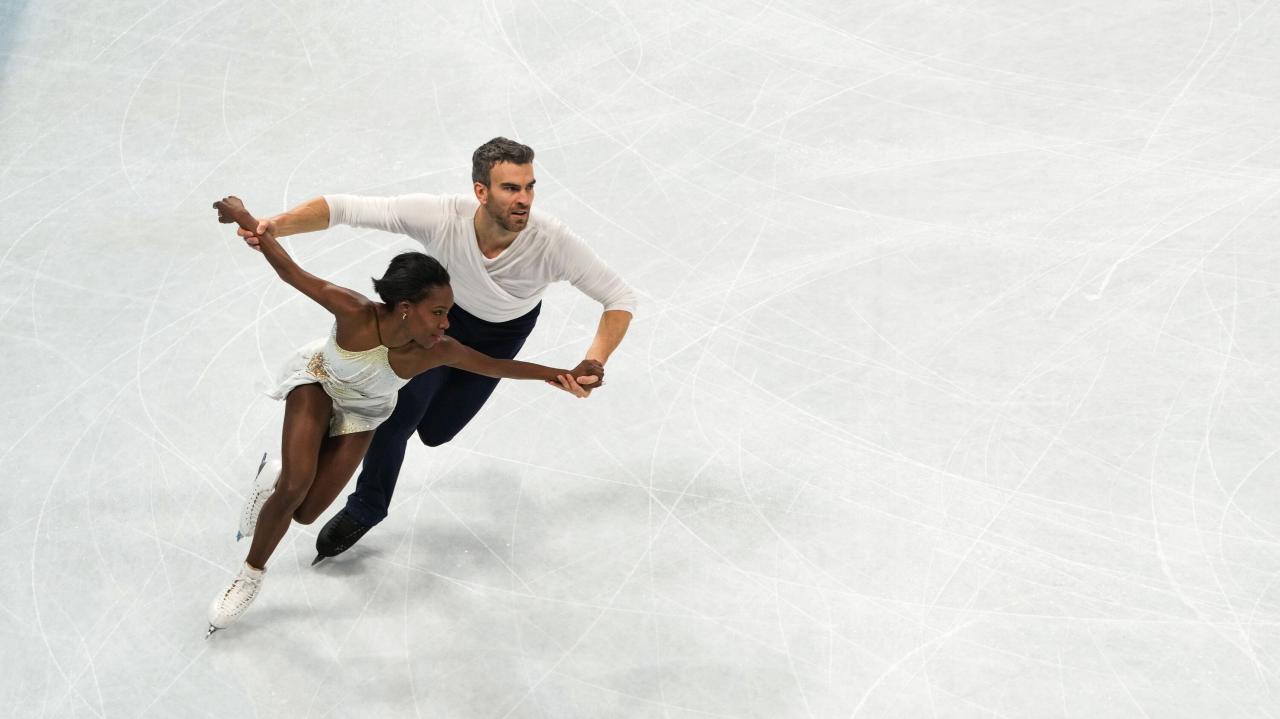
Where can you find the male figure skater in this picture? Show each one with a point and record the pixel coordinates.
(501, 259)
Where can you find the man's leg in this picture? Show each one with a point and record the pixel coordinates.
(454, 406)
(462, 395)
(438, 416)
(377, 481)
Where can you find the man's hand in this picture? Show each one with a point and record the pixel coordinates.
(253, 238)
(588, 375)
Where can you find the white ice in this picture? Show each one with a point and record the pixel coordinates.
(953, 392)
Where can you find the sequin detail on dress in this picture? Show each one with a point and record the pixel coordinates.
(316, 366)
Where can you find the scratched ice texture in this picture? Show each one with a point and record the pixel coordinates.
(953, 391)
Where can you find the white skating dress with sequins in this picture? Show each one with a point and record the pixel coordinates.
(362, 385)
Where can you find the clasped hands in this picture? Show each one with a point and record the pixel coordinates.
(588, 375)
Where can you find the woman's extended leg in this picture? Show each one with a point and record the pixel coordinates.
(306, 422)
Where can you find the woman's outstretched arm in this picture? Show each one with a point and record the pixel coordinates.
(456, 354)
(337, 300)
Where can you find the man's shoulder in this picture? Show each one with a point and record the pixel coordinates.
(446, 205)
(463, 205)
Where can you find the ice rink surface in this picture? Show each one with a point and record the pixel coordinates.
(953, 390)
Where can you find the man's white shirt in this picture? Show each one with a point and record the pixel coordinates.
(496, 290)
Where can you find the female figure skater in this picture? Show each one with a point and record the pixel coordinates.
(339, 390)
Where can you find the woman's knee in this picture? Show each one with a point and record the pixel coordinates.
(292, 488)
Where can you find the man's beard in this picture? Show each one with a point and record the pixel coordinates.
(511, 223)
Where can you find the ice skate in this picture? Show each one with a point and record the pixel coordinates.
(338, 535)
(264, 483)
(235, 599)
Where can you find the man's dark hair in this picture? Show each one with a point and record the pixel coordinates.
(499, 149)
(410, 276)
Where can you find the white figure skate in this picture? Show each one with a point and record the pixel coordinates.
(235, 599)
(264, 483)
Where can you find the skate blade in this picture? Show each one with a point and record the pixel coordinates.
(261, 464)
(209, 633)
(239, 536)
(319, 558)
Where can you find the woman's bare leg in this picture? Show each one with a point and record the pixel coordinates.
(306, 422)
(339, 458)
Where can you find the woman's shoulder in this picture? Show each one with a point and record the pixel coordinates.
(355, 328)
(421, 359)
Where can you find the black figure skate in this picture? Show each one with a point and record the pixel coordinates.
(338, 535)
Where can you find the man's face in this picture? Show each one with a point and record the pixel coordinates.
(508, 196)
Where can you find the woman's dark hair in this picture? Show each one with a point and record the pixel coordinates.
(410, 276)
(499, 149)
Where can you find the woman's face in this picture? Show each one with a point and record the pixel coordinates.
(429, 317)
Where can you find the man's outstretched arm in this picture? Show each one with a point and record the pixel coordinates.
(310, 216)
(609, 333)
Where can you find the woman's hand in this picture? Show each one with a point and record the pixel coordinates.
(231, 210)
(588, 375)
